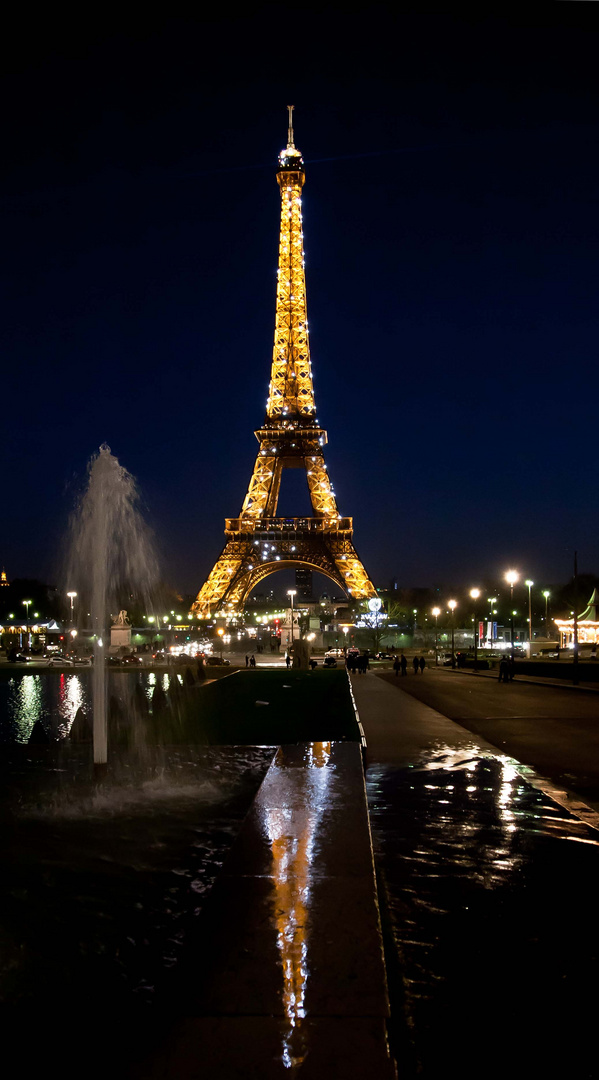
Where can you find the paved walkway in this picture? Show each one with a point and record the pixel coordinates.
(399, 730)
(398, 727)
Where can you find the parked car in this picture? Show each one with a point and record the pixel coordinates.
(217, 661)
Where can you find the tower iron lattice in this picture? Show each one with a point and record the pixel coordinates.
(258, 543)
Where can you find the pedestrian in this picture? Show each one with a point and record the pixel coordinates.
(404, 665)
(396, 666)
(247, 660)
(503, 669)
(422, 665)
(252, 661)
(415, 663)
(287, 660)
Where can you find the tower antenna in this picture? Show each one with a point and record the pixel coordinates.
(290, 142)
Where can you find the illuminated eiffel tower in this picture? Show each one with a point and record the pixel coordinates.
(258, 543)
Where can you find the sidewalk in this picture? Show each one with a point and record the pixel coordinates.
(400, 731)
(399, 728)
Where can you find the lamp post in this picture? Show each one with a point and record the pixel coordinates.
(71, 596)
(529, 584)
(452, 604)
(27, 603)
(436, 613)
(291, 593)
(475, 593)
(491, 600)
(511, 577)
(546, 594)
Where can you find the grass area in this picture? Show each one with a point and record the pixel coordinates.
(272, 707)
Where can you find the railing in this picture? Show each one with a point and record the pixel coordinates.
(256, 526)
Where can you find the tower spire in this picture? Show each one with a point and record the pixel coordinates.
(290, 142)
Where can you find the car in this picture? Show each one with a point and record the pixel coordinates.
(334, 652)
(217, 661)
(60, 661)
(384, 656)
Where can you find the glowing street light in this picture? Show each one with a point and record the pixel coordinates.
(27, 603)
(71, 596)
(530, 584)
(475, 593)
(291, 593)
(452, 604)
(436, 612)
(511, 577)
(546, 594)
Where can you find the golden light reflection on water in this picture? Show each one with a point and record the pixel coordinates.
(71, 697)
(25, 703)
(504, 786)
(292, 834)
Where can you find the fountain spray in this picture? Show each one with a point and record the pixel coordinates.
(110, 546)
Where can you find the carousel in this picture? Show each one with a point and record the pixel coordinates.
(587, 625)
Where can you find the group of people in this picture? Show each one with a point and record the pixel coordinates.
(250, 661)
(356, 663)
(506, 669)
(401, 664)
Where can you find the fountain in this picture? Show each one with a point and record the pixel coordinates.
(110, 546)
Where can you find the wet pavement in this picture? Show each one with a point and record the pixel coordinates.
(286, 975)
(487, 893)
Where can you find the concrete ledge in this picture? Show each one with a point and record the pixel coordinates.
(287, 972)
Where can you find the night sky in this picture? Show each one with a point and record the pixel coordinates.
(452, 261)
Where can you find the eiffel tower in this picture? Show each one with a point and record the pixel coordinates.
(258, 543)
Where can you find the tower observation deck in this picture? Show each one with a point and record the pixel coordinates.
(259, 543)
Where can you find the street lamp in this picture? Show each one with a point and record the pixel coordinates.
(71, 596)
(27, 603)
(436, 613)
(511, 577)
(453, 605)
(291, 593)
(491, 600)
(546, 594)
(530, 584)
(475, 593)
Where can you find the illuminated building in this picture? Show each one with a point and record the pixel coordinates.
(258, 543)
(3, 578)
(587, 625)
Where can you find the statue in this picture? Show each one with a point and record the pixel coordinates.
(120, 631)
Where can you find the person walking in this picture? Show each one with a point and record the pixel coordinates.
(422, 663)
(396, 666)
(404, 665)
(415, 664)
(252, 661)
(287, 660)
(504, 669)
(247, 660)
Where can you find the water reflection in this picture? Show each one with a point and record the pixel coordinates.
(25, 705)
(291, 832)
(71, 697)
(488, 911)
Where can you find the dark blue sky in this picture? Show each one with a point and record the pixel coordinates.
(451, 234)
